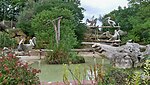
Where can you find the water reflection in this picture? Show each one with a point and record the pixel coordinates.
(55, 72)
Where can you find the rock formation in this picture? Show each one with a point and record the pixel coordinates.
(125, 56)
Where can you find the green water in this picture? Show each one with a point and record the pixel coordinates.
(55, 72)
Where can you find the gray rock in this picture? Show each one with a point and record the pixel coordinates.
(126, 56)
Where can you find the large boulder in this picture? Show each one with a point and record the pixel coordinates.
(126, 56)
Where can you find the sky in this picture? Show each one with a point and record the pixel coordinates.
(96, 7)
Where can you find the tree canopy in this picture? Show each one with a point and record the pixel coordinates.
(24, 21)
(10, 9)
(135, 20)
(36, 20)
(44, 30)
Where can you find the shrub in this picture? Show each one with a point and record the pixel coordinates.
(24, 21)
(6, 41)
(74, 58)
(57, 57)
(62, 57)
(14, 72)
(111, 76)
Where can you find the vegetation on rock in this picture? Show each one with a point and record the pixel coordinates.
(6, 40)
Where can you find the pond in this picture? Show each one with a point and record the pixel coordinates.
(51, 73)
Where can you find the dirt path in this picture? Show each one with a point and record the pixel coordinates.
(88, 54)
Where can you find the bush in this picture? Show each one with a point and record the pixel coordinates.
(74, 58)
(24, 22)
(133, 76)
(14, 72)
(57, 57)
(110, 76)
(62, 57)
(6, 41)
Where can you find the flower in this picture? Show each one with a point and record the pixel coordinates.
(1, 74)
(14, 70)
(10, 55)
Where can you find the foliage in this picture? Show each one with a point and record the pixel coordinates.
(28, 14)
(147, 71)
(36, 20)
(79, 31)
(74, 58)
(65, 75)
(120, 16)
(113, 76)
(76, 74)
(141, 23)
(15, 72)
(6, 40)
(50, 4)
(41, 26)
(44, 31)
(24, 22)
(135, 20)
(57, 57)
(62, 57)
(132, 76)
(9, 9)
(94, 75)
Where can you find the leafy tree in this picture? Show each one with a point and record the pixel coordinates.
(34, 22)
(134, 20)
(24, 21)
(41, 27)
(141, 22)
(27, 15)
(9, 9)
(121, 17)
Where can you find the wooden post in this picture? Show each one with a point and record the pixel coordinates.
(58, 26)
(57, 29)
(95, 35)
(40, 53)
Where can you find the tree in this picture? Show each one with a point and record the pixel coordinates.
(44, 31)
(42, 27)
(141, 22)
(134, 20)
(10, 9)
(37, 21)
(27, 15)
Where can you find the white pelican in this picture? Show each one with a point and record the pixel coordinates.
(111, 22)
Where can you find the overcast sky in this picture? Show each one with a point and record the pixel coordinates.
(96, 7)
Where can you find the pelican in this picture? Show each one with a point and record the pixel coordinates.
(115, 36)
(111, 22)
(92, 21)
(34, 40)
(26, 47)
